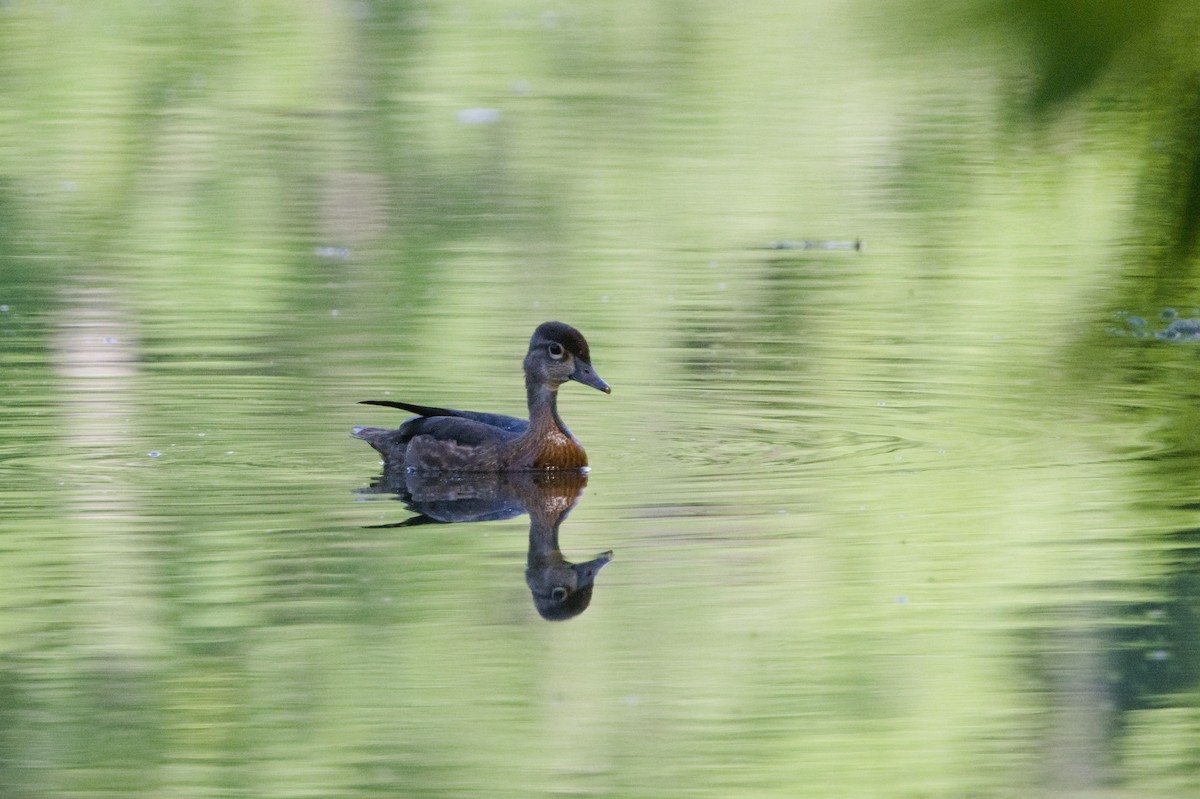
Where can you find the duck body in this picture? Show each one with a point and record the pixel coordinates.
(447, 440)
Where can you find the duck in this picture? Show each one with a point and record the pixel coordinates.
(447, 440)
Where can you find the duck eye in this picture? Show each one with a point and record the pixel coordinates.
(556, 351)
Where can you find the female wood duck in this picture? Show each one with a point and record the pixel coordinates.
(440, 439)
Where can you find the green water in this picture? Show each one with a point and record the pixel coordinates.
(915, 519)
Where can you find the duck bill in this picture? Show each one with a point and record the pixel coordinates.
(584, 373)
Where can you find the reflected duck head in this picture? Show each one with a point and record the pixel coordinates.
(558, 353)
(563, 590)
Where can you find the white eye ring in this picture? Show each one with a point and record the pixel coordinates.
(556, 351)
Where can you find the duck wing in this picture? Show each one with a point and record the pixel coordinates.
(509, 424)
(442, 443)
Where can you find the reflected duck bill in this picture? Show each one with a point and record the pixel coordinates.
(587, 571)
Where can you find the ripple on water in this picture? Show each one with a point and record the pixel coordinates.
(762, 445)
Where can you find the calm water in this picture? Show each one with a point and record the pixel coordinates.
(915, 519)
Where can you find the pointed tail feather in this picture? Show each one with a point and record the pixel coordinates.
(509, 423)
(420, 410)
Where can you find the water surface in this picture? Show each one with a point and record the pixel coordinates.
(911, 519)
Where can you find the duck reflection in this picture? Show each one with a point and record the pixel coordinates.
(561, 589)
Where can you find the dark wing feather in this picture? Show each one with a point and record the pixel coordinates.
(440, 443)
(509, 424)
(460, 430)
(451, 443)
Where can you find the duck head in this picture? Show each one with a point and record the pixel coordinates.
(558, 353)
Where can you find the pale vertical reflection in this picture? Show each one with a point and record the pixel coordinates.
(95, 351)
(353, 209)
(1081, 709)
